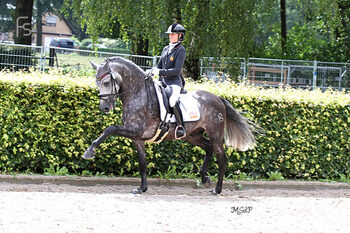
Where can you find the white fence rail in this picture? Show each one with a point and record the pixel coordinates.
(258, 71)
(16, 57)
(276, 72)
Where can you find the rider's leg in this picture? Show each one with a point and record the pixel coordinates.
(180, 131)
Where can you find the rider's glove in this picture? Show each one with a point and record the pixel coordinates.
(155, 71)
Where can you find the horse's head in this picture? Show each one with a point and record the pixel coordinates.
(108, 84)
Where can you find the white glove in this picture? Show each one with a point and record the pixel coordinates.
(155, 71)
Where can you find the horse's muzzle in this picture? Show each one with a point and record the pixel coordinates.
(106, 106)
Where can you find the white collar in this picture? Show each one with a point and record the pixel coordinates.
(172, 45)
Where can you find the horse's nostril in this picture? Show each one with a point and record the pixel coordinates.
(106, 109)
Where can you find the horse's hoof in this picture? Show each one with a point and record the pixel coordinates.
(137, 191)
(213, 192)
(216, 191)
(207, 182)
(89, 154)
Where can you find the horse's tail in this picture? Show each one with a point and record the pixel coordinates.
(238, 130)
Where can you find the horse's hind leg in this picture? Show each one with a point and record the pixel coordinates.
(222, 161)
(140, 147)
(199, 140)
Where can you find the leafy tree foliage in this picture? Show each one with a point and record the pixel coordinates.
(313, 29)
(316, 29)
(6, 13)
(214, 27)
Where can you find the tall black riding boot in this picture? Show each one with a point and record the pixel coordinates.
(180, 131)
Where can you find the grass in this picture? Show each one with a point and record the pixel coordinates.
(275, 176)
(344, 178)
(75, 60)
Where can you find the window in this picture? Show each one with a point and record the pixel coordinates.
(51, 20)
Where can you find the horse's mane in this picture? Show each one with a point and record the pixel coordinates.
(129, 64)
(134, 69)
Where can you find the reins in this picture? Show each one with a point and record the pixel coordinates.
(117, 94)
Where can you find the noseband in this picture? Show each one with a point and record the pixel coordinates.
(114, 89)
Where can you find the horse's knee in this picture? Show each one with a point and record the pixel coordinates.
(110, 130)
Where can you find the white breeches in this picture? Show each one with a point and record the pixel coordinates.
(175, 96)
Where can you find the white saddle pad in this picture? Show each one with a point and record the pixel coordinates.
(188, 104)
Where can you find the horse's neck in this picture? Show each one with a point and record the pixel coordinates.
(132, 87)
(130, 76)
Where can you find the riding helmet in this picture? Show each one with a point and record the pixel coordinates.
(176, 28)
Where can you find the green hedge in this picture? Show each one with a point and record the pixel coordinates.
(50, 119)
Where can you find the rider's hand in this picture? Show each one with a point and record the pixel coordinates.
(155, 71)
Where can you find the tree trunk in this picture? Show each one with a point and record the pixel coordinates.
(283, 26)
(195, 48)
(23, 21)
(39, 23)
(141, 46)
(192, 63)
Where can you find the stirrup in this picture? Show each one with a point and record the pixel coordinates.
(184, 132)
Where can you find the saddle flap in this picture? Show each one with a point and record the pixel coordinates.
(188, 104)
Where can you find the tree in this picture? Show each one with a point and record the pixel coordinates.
(43, 7)
(317, 29)
(6, 13)
(214, 27)
(283, 25)
(343, 29)
(23, 22)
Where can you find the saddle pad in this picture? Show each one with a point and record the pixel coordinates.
(188, 105)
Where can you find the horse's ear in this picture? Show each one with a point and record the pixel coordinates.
(94, 65)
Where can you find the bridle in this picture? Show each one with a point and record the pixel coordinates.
(114, 92)
(117, 94)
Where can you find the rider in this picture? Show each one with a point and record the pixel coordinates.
(169, 69)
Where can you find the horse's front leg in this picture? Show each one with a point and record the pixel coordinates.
(90, 152)
(140, 147)
(125, 131)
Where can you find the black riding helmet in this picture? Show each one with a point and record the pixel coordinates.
(177, 28)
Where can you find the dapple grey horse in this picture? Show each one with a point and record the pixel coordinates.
(118, 77)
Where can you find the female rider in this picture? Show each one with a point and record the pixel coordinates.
(169, 70)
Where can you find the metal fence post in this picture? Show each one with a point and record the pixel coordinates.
(282, 73)
(314, 84)
(154, 61)
(244, 70)
(41, 59)
(44, 54)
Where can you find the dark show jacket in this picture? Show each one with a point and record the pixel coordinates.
(170, 65)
